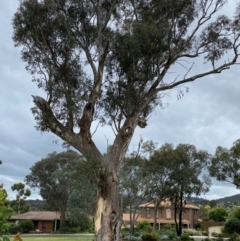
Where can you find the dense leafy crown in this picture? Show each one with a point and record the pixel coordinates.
(108, 59)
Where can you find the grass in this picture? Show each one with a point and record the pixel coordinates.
(55, 239)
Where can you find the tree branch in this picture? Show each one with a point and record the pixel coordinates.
(190, 79)
(86, 147)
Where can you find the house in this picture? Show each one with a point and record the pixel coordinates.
(43, 220)
(165, 214)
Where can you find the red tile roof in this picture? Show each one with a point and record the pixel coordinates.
(37, 215)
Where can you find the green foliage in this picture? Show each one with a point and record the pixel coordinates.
(225, 164)
(143, 225)
(26, 226)
(185, 237)
(203, 213)
(171, 234)
(218, 214)
(13, 229)
(199, 226)
(5, 213)
(67, 229)
(152, 236)
(192, 232)
(56, 176)
(167, 226)
(19, 205)
(80, 221)
(232, 226)
(134, 184)
(234, 213)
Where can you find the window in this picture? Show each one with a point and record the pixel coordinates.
(157, 214)
(148, 213)
(168, 213)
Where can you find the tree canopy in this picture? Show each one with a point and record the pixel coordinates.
(186, 178)
(54, 176)
(5, 214)
(218, 214)
(225, 164)
(107, 61)
(19, 205)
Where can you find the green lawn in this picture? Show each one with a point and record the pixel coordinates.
(55, 239)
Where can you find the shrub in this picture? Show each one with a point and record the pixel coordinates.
(185, 237)
(167, 226)
(143, 225)
(232, 226)
(218, 214)
(192, 232)
(67, 229)
(13, 229)
(171, 234)
(199, 226)
(26, 226)
(150, 237)
(82, 221)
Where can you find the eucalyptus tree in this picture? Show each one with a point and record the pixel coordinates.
(225, 164)
(107, 60)
(133, 186)
(22, 193)
(187, 178)
(54, 176)
(158, 170)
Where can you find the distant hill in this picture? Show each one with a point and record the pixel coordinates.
(234, 198)
(197, 200)
(36, 205)
(40, 205)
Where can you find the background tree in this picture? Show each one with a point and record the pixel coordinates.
(186, 178)
(218, 214)
(158, 169)
(203, 214)
(54, 177)
(225, 164)
(212, 203)
(129, 46)
(232, 224)
(19, 205)
(5, 214)
(133, 186)
(207, 207)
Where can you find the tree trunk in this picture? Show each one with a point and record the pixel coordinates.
(108, 219)
(62, 218)
(175, 215)
(180, 214)
(132, 219)
(155, 215)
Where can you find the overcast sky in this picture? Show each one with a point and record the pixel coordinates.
(207, 116)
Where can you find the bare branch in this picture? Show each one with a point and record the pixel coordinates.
(190, 79)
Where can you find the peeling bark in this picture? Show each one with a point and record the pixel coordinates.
(108, 219)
